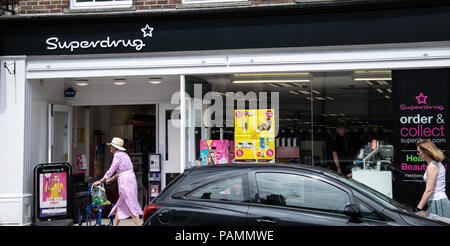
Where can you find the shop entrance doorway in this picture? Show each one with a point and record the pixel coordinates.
(94, 126)
(59, 135)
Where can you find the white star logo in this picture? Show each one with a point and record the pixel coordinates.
(147, 30)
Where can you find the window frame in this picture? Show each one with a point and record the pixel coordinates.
(245, 190)
(360, 202)
(255, 192)
(111, 4)
(210, 1)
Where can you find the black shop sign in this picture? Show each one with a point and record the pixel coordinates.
(420, 112)
(198, 31)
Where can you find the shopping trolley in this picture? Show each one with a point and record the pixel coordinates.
(95, 205)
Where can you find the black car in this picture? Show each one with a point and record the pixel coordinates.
(269, 194)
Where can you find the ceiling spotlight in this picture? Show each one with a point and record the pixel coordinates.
(155, 81)
(120, 81)
(82, 82)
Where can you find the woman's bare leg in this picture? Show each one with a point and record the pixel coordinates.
(116, 220)
(136, 220)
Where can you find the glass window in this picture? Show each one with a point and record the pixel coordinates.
(226, 190)
(350, 110)
(298, 191)
(368, 212)
(211, 1)
(79, 4)
(320, 119)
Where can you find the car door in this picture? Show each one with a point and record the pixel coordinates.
(293, 199)
(223, 202)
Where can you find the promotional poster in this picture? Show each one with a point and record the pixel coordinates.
(53, 194)
(254, 137)
(216, 152)
(420, 112)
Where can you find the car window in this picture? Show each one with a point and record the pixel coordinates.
(368, 212)
(226, 190)
(299, 191)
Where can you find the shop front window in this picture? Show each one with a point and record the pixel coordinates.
(340, 121)
(352, 120)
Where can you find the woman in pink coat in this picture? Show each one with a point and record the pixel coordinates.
(127, 205)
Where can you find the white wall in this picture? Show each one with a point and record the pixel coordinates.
(13, 201)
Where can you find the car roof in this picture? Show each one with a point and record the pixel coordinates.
(263, 165)
(258, 165)
(198, 176)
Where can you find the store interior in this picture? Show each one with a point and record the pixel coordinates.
(312, 106)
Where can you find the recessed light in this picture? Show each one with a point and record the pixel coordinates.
(82, 82)
(120, 81)
(155, 81)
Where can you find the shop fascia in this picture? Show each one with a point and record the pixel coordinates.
(54, 43)
(214, 106)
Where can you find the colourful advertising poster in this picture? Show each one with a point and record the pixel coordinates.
(420, 111)
(53, 194)
(254, 137)
(216, 152)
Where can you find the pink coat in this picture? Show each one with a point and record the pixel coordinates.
(128, 193)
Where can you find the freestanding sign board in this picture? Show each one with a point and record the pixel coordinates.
(420, 101)
(52, 195)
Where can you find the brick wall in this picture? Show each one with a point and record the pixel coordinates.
(42, 6)
(63, 6)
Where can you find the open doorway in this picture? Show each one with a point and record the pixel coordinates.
(94, 126)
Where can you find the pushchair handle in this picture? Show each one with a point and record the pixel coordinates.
(100, 186)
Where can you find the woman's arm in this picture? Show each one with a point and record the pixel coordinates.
(108, 181)
(114, 165)
(432, 173)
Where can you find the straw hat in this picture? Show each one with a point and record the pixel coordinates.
(117, 143)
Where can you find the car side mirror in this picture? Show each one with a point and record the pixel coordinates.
(352, 211)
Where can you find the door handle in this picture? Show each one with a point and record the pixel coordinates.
(266, 220)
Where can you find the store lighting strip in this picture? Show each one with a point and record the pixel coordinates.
(371, 78)
(270, 81)
(270, 74)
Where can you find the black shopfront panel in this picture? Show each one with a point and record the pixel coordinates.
(141, 33)
(420, 101)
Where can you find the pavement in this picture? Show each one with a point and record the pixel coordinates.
(125, 222)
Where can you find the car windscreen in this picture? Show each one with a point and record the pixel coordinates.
(371, 193)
